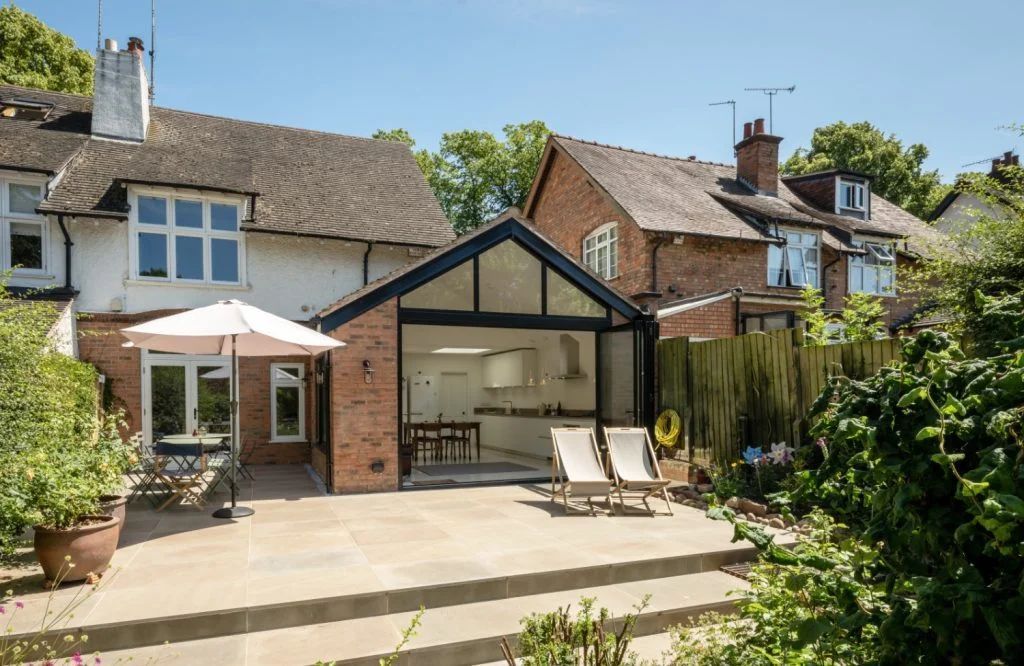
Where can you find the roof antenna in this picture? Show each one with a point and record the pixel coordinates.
(152, 51)
(99, 24)
(771, 92)
(732, 103)
(987, 160)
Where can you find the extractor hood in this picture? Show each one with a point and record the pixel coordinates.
(568, 358)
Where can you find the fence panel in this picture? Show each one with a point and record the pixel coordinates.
(754, 389)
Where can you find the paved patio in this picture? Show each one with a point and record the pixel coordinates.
(365, 555)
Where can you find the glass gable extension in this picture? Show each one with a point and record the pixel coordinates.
(505, 279)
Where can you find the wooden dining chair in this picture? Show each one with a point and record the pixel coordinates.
(427, 438)
(457, 440)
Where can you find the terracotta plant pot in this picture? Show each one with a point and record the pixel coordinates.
(90, 546)
(114, 505)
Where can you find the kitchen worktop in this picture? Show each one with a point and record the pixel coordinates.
(533, 413)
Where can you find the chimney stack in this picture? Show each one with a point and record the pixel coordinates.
(120, 102)
(757, 159)
(1007, 160)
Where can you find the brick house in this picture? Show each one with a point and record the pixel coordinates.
(685, 233)
(132, 211)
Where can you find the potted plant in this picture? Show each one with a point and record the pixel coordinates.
(114, 457)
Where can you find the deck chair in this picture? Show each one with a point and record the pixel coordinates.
(575, 454)
(634, 466)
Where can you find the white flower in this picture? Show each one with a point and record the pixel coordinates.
(782, 454)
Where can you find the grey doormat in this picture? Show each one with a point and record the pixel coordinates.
(433, 482)
(473, 468)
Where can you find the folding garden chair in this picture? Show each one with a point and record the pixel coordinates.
(181, 468)
(141, 473)
(577, 466)
(635, 467)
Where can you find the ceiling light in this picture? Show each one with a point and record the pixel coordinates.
(459, 350)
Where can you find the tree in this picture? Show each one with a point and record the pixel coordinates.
(860, 319)
(474, 175)
(36, 56)
(898, 172)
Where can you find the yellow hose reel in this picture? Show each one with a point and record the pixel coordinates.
(667, 427)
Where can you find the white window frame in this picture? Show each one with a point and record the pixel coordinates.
(607, 237)
(882, 251)
(299, 383)
(861, 194)
(170, 231)
(785, 249)
(8, 217)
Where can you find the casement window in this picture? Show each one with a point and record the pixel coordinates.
(875, 271)
(23, 233)
(186, 239)
(851, 195)
(287, 402)
(796, 262)
(601, 251)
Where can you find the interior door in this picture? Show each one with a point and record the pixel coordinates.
(454, 395)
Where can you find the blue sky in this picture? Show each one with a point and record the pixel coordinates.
(634, 73)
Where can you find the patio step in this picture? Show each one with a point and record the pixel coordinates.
(456, 635)
(160, 629)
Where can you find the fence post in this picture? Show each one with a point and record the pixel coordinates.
(798, 390)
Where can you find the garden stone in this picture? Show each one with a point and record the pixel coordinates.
(751, 517)
(753, 507)
(705, 488)
(733, 502)
(776, 523)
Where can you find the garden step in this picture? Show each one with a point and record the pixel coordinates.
(176, 628)
(455, 635)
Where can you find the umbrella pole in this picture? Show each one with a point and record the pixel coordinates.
(234, 511)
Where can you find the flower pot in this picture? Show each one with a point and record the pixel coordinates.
(114, 505)
(90, 545)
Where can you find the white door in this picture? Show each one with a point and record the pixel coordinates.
(182, 394)
(454, 395)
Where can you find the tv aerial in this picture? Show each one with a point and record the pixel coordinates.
(732, 103)
(771, 92)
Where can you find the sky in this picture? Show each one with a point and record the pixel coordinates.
(634, 73)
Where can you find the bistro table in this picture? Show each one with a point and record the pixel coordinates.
(212, 442)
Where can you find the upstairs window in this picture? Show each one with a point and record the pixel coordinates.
(22, 230)
(187, 239)
(795, 262)
(875, 271)
(851, 195)
(601, 251)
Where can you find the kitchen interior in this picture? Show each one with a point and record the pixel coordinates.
(507, 387)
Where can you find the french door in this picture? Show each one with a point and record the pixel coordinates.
(183, 394)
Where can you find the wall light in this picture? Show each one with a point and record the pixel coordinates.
(367, 372)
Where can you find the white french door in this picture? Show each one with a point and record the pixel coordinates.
(183, 394)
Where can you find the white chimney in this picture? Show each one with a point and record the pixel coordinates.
(120, 103)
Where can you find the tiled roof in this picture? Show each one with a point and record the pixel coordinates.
(689, 196)
(307, 182)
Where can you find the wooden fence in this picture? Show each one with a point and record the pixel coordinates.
(754, 389)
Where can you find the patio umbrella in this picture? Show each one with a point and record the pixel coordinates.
(229, 328)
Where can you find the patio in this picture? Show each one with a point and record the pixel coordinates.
(305, 559)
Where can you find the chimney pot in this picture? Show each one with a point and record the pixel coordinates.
(135, 47)
(747, 130)
(1008, 157)
(759, 126)
(110, 44)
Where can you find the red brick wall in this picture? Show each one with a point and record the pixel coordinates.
(757, 161)
(364, 417)
(100, 344)
(569, 207)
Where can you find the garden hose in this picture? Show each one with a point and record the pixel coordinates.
(666, 428)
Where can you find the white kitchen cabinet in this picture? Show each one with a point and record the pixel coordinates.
(526, 435)
(512, 368)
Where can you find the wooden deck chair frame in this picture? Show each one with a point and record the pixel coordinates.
(644, 489)
(564, 485)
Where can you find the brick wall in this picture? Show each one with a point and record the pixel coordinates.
(100, 344)
(364, 417)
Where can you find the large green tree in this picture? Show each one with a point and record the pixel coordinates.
(898, 171)
(34, 55)
(474, 175)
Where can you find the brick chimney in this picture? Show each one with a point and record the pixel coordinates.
(120, 102)
(1007, 160)
(757, 159)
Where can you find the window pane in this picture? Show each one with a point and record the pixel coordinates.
(188, 214)
(776, 270)
(152, 255)
(188, 257)
(450, 291)
(223, 217)
(856, 278)
(287, 411)
(795, 256)
(509, 280)
(870, 280)
(224, 259)
(26, 245)
(25, 198)
(885, 280)
(152, 210)
(213, 387)
(287, 373)
(565, 299)
(167, 391)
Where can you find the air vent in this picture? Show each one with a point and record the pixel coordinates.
(25, 109)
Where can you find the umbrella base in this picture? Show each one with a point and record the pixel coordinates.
(233, 512)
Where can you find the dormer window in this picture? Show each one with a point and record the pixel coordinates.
(875, 271)
(25, 109)
(851, 195)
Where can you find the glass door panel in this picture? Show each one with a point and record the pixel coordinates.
(213, 398)
(168, 393)
(617, 378)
